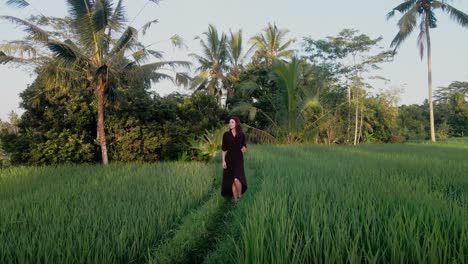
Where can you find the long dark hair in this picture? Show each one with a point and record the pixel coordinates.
(238, 124)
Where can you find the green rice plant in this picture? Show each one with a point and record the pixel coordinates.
(90, 213)
(371, 204)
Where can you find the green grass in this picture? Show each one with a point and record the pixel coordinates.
(373, 204)
(76, 214)
(396, 203)
(195, 235)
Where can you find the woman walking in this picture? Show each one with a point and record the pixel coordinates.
(233, 147)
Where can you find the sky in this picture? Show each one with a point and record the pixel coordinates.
(304, 18)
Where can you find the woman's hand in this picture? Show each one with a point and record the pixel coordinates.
(224, 165)
(244, 149)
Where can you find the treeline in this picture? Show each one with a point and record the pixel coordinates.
(92, 98)
(59, 125)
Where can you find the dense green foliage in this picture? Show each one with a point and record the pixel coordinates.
(59, 126)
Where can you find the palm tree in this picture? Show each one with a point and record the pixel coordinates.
(411, 10)
(237, 57)
(272, 44)
(92, 57)
(213, 63)
(294, 96)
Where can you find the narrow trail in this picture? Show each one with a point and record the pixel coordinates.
(197, 235)
(198, 232)
(208, 227)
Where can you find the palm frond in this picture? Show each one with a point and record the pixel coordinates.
(248, 88)
(102, 12)
(259, 135)
(422, 38)
(34, 31)
(22, 48)
(402, 8)
(118, 18)
(79, 9)
(101, 71)
(432, 19)
(156, 54)
(271, 42)
(158, 76)
(205, 64)
(8, 59)
(63, 52)
(199, 81)
(182, 79)
(235, 47)
(406, 25)
(244, 108)
(81, 13)
(285, 54)
(147, 25)
(207, 52)
(286, 45)
(172, 64)
(459, 16)
(4, 59)
(113, 94)
(17, 3)
(177, 41)
(288, 78)
(126, 40)
(140, 55)
(249, 51)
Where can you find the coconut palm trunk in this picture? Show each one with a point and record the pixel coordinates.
(356, 118)
(100, 121)
(429, 79)
(348, 130)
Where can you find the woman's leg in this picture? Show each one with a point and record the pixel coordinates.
(234, 190)
(238, 187)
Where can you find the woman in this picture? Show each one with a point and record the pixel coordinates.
(234, 182)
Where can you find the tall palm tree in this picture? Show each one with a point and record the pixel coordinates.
(272, 44)
(237, 58)
(424, 10)
(213, 63)
(92, 56)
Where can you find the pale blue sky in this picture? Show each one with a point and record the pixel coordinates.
(317, 19)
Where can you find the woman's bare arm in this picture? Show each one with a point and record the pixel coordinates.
(224, 158)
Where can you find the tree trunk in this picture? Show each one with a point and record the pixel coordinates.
(360, 125)
(100, 121)
(349, 114)
(356, 118)
(429, 75)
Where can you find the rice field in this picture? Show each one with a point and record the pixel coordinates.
(91, 214)
(370, 204)
(401, 203)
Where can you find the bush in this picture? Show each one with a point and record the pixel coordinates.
(62, 147)
(397, 139)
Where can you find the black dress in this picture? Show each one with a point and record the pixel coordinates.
(234, 162)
